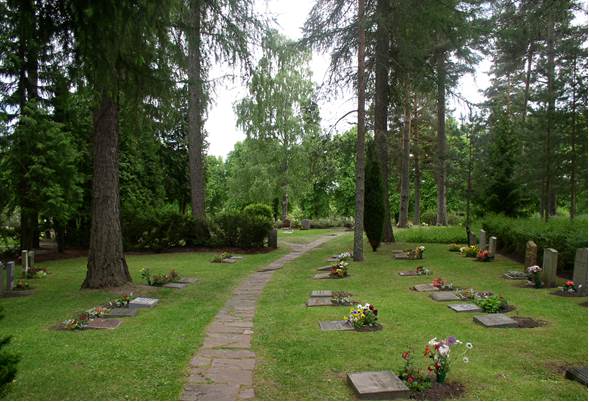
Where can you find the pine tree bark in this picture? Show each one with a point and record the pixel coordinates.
(404, 199)
(442, 215)
(573, 205)
(106, 262)
(381, 102)
(360, 140)
(550, 71)
(195, 109)
(416, 145)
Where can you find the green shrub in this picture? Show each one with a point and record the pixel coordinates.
(259, 210)
(428, 217)
(559, 233)
(8, 363)
(246, 230)
(432, 234)
(492, 304)
(335, 222)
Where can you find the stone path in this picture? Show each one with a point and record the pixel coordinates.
(223, 368)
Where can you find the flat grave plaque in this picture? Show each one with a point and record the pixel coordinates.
(101, 323)
(175, 285)
(577, 374)
(188, 279)
(465, 308)
(319, 302)
(236, 257)
(143, 302)
(322, 275)
(401, 256)
(324, 268)
(335, 326)
(444, 296)
(495, 321)
(122, 312)
(228, 261)
(332, 259)
(516, 275)
(408, 273)
(321, 293)
(426, 288)
(378, 385)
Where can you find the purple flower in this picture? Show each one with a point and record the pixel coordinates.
(451, 340)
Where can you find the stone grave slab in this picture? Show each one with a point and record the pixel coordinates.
(175, 285)
(577, 374)
(401, 256)
(495, 321)
(143, 302)
(319, 302)
(531, 255)
(236, 257)
(322, 275)
(378, 385)
(188, 279)
(321, 293)
(482, 239)
(336, 326)
(228, 261)
(516, 275)
(324, 268)
(408, 273)
(444, 296)
(465, 308)
(580, 272)
(101, 323)
(332, 259)
(427, 287)
(122, 312)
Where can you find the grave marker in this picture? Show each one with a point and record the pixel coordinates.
(24, 256)
(321, 293)
(495, 321)
(577, 374)
(322, 275)
(2, 275)
(9, 276)
(492, 246)
(333, 259)
(273, 238)
(580, 272)
(428, 287)
(122, 312)
(401, 256)
(175, 285)
(31, 256)
(187, 279)
(516, 275)
(482, 240)
(336, 326)
(444, 296)
(143, 302)
(549, 266)
(324, 268)
(531, 255)
(472, 239)
(101, 323)
(465, 308)
(378, 385)
(319, 302)
(306, 224)
(408, 273)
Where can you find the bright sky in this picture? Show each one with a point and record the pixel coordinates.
(290, 16)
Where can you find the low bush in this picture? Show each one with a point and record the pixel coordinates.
(335, 222)
(246, 229)
(558, 233)
(432, 234)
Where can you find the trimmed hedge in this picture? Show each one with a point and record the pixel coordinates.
(558, 233)
(432, 234)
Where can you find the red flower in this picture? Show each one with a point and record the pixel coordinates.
(570, 283)
(405, 355)
(410, 379)
(437, 365)
(427, 350)
(429, 368)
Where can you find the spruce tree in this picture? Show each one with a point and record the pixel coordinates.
(8, 363)
(374, 213)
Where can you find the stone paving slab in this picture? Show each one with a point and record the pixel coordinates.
(222, 369)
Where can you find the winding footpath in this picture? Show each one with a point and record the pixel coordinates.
(223, 368)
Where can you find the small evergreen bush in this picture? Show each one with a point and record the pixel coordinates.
(8, 363)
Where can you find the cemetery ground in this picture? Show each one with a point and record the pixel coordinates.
(147, 357)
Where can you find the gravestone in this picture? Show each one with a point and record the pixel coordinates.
(401, 256)
(333, 259)
(495, 321)
(31, 256)
(187, 279)
(408, 273)
(24, 256)
(306, 224)
(378, 385)
(428, 287)
(101, 323)
(472, 239)
(322, 275)
(122, 312)
(175, 285)
(9, 276)
(549, 266)
(531, 255)
(336, 326)
(319, 302)
(321, 293)
(465, 308)
(492, 246)
(2, 275)
(577, 374)
(143, 302)
(444, 296)
(482, 240)
(580, 272)
(228, 261)
(273, 238)
(324, 268)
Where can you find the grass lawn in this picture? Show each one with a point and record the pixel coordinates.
(299, 362)
(304, 236)
(145, 358)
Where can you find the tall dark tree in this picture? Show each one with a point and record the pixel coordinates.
(374, 212)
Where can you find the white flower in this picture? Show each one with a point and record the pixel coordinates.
(468, 345)
(458, 341)
(462, 249)
(421, 248)
(360, 307)
(444, 349)
(465, 359)
(433, 342)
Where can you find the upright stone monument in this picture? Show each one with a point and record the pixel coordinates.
(482, 240)
(492, 246)
(9, 276)
(580, 273)
(549, 265)
(2, 280)
(306, 224)
(25, 260)
(31, 256)
(472, 239)
(531, 255)
(273, 238)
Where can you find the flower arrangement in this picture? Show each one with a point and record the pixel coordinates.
(535, 271)
(73, 324)
(97, 312)
(345, 256)
(483, 256)
(341, 298)
(472, 294)
(470, 251)
(439, 353)
(492, 304)
(363, 316)
(454, 247)
(121, 301)
(422, 271)
(570, 287)
(221, 257)
(21, 284)
(442, 284)
(412, 376)
(158, 279)
(417, 253)
(339, 270)
(35, 273)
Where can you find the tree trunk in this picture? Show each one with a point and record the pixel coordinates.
(404, 204)
(360, 141)
(529, 56)
(59, 235)
(442, 216)
(549, 119)
(195, 102)
(573, 205)
(106, 262)
(381, 102)
(417, 218)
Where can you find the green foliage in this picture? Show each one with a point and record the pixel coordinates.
(373, 199)
(491, 304)
(259, 210)
(8, 361)
(561, 234)
(432, 234)
(239, 229)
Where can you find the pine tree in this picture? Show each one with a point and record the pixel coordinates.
(374, 213)
(8, 363)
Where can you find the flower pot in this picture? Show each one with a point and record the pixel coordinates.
(537, 280)
(441, 377)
